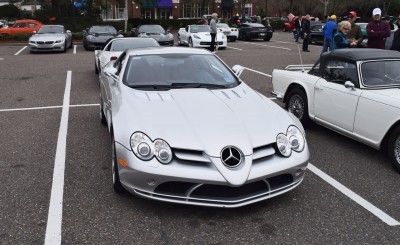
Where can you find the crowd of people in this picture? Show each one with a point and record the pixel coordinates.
(346, 34)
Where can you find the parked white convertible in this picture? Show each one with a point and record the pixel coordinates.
(352, 91)
(198, 36)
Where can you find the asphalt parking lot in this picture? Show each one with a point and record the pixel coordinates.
(49, 120)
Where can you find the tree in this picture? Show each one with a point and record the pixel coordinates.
(10, 11)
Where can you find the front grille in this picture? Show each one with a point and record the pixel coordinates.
(49, 42)
(205, 43)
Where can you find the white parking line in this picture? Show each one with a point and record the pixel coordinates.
(259, 72)
(74, 49)
(234, 48)
(45, 107)
(270, 46)
(17, 53)
(54, 219)
(358, 199)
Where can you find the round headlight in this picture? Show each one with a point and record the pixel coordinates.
(162, 151)
(142, 146)
(283, 145)
(296, 138)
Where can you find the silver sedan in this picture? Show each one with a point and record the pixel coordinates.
(185, 129)
(51, 38)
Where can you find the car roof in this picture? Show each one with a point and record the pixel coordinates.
(54, 25)
(361, 54)
(167, 50)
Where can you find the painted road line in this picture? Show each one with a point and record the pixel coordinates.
(259, 72)
(234, 48)
(45, 107)
(355, 197)
(17, 53)
(74, 49)
(54, 219)
(270, 46)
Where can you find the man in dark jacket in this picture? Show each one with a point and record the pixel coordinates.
(355, 33)
(377, 31)
(297, 24)
(306, 29)
(396, 41)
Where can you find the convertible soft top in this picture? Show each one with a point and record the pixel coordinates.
(361, 54)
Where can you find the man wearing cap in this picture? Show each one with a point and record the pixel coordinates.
(377, 31)
(355, 34)
(329, 31)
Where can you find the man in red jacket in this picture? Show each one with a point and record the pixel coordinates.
(377, 31)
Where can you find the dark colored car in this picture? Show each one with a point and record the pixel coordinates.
(316, 34)
(248, 31)
(156, 32)
(97, 36)
(388, 42)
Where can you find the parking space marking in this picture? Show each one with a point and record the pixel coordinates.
(75, 49)
(270, 46)
(355, 197)
(259, 72)
(45, 107)
(234, 48)
(54, 219)
(1, 59)
(17, 53)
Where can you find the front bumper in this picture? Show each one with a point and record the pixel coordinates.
(206, 44)
(202, 184)
(38, 46)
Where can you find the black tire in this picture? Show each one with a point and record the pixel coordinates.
(103, 119)
(243, 36)
(394, 148)
(179, 41)
(65, 47)
(297, 104)
(190, 42)
(233, 39)
(117, 186)
(96, 70)
(266, 39)
(72, 44)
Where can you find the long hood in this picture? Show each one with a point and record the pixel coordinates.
(207, 35)
(201, 119)
(47, 37)
(389, 96)
(158, 36)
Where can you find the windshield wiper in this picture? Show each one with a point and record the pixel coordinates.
(151, 86)
(197, 85)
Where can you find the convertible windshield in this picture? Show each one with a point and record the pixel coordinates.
(122, 44)
(381, 73)
(151, 29)
(200, 28)
(103, 29)
(51, 29)
(172, 71)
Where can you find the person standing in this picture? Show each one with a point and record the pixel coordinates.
(297, 25)
(355, 33)
(340, 39)
(396, 38)
(329, 30)
(213, 30)
(377, 31)
(306, 30)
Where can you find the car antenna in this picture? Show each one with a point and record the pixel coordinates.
(301, 60)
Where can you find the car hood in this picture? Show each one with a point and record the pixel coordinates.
(200, 119)
(158, 36)
(47, 37)
(389, 96)
(207, 35)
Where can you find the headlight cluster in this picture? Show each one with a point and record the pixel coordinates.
(196, 36)
(292, 140)
(145, 149)
(90, 37)
(58, 41)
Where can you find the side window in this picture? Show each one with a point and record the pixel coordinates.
(31, 25)
(119, 62)
(21, 25)
(341, 71)
(187, 28)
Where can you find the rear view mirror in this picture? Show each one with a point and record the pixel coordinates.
(69, 32)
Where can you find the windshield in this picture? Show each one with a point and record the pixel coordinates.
(51, 29)
(222, 26)
(381, 73)
(103, 29)
(122, 44)
(202, 28)
(166, 71)
(151, 29)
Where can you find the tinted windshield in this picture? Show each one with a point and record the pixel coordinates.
(151, 29)
(51, 29)
(202, 28)
(222, 26)
(381, 73)
(168, 71)
(103, 29)
(122, 44)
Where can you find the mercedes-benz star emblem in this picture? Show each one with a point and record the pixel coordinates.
(231, 156)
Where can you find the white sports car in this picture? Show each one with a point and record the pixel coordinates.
(185, 129)
(231, 33)
(198, 36)
(116, 46)
(355, 92)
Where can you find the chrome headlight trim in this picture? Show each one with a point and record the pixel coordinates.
(146, 149)
(293, 140)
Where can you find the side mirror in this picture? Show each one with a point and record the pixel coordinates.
(69, 32)
(238, 69)
(34, 32)
(349, 84)
(110, 71)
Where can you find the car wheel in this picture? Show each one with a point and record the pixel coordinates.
(115, 173)
(85, 46)
(65, 46)
(233, 39)
(103, 119)
(72, 44)
(243, 36)
(267, 39)
(394, 148)
(96, 70)
(179, 41)
(190, 42)
(298, 105)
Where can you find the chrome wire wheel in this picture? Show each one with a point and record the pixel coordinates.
(296, 106)
(397, 150)
(394, 148)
